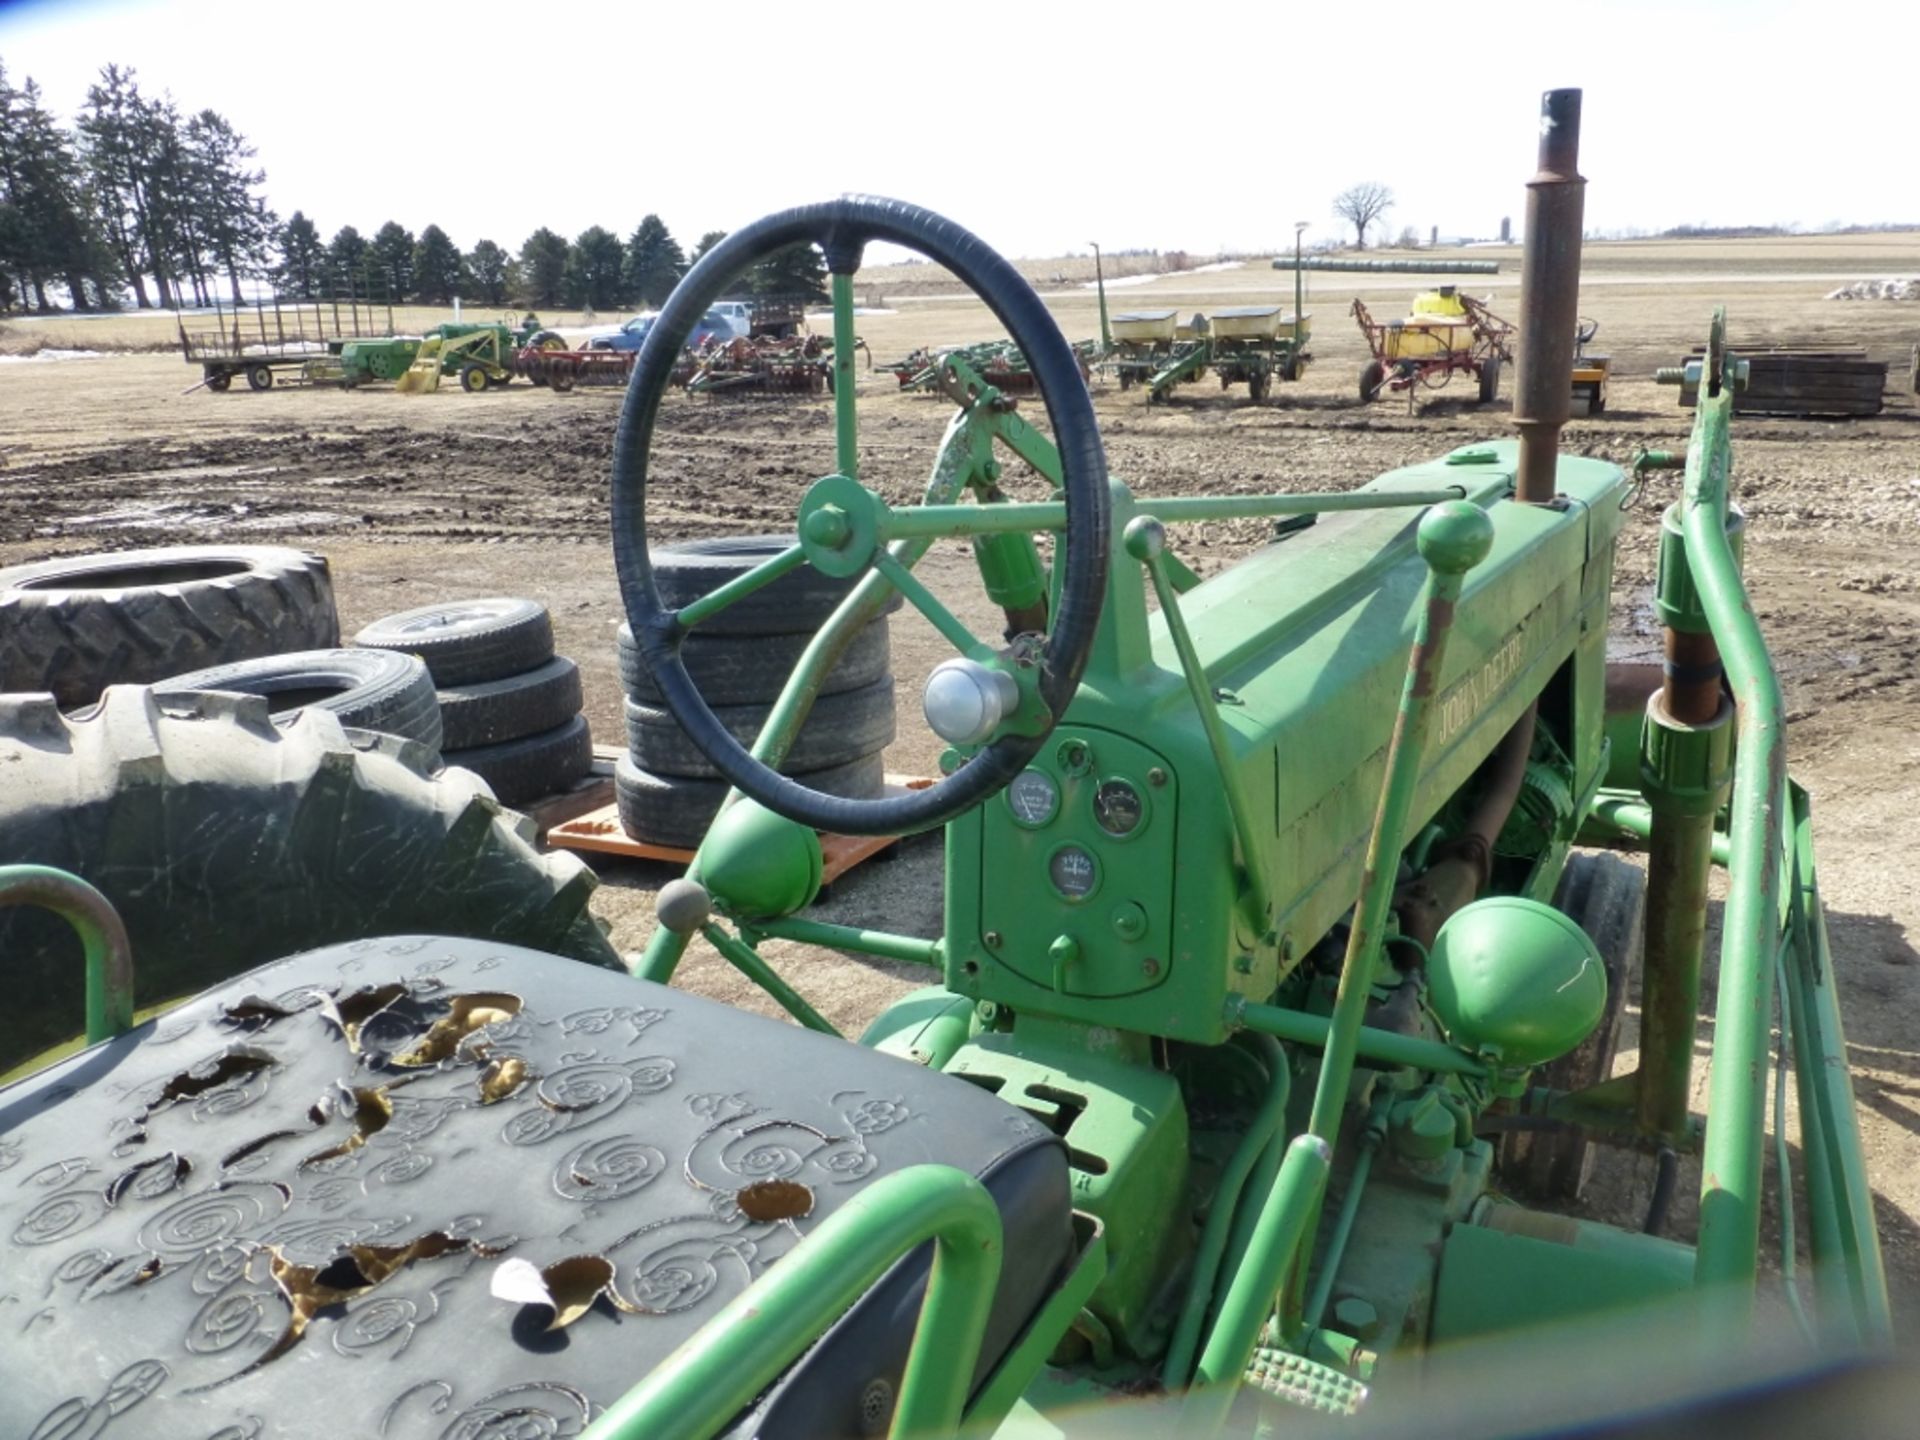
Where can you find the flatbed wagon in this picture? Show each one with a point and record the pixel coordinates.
(265, 340)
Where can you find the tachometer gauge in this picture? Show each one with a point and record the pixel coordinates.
(1033, 798)
(1118, 808)
(1074, 872)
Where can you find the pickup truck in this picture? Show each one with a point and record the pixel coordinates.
(633, 334)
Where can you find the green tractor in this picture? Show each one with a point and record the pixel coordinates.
(1270, 986)
(480, 354)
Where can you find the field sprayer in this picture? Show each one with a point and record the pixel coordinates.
(1261, 929)
(1447, 334)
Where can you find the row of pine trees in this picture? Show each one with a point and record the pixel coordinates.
(139, 198)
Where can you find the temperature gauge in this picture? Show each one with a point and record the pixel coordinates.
(1033, 798)
(1118, 808)
(1074, 872)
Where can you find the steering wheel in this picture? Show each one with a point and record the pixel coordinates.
(843, 524)
(1585, 330)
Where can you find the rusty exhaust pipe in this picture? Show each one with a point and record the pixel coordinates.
(1549, 295)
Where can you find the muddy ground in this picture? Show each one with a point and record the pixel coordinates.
(417, 499)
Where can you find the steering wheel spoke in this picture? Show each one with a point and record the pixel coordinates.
(845, 530)
(741, 586)
(929, 604)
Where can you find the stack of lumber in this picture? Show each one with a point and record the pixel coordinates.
(1805, 382)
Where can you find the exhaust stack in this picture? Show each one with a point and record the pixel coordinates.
(1549, 295)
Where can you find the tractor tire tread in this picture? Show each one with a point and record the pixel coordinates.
(75, 641)
(226, 840)
(466, 641)
(512, 707)
(753, 669)
(385, 691)
(675, 810)
(839, 729)
(530, 766)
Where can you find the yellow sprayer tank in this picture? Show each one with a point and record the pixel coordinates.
(1439, 324)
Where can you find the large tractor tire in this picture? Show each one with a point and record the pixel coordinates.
(227, 840)
(75, 625)
(1606, 896)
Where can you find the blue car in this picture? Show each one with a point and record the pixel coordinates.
(633, 334)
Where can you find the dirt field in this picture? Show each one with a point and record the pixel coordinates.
(423, 498)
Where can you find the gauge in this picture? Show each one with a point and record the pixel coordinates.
(1033, 798)
(1074, 872)
(1118, 808)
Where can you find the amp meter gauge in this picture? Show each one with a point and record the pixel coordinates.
(1074, 872)
(1033, 797)
(1118, 808)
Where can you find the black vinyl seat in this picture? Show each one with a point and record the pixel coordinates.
(314, 1200)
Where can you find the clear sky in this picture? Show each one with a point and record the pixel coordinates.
(1041, 126)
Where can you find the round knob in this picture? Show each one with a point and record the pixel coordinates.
(1454, 536)
(683, 906)
(965, 701)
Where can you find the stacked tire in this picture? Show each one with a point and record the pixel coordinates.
(72, 626)
(509, 707)
(739, 660)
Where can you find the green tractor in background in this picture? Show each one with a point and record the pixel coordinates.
(480, 354)
(1270, 985)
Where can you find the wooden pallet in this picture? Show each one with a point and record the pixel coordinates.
(593, 792)
(599, 832)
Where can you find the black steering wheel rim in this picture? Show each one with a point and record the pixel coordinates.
(842, 229)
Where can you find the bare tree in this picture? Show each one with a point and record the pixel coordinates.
(1360, 205)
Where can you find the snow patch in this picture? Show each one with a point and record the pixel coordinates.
(50, 354)
(1891, 288)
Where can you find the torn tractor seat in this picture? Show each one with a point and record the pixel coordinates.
(418, 1187)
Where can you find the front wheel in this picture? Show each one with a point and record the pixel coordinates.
(1371, 376)
(1489, 379)
(473, 379)
(1605, 896)
(219, 379)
